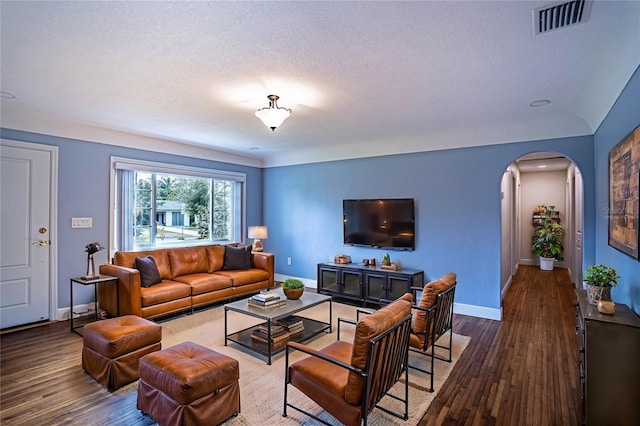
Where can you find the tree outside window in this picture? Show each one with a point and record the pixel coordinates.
(170, 209)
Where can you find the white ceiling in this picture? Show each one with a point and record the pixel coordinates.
(362, 78)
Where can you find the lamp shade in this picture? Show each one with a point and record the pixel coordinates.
(259, 232)
(273, 115)
(93, 248)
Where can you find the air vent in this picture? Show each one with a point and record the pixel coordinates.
(560, 15)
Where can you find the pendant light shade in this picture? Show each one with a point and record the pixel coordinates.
(273, 115)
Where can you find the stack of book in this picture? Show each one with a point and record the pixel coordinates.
(279, 334)
(292, 323)
(266, 300)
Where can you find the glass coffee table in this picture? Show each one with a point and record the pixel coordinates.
(312, 327)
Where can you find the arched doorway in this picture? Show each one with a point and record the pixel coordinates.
(537, 178)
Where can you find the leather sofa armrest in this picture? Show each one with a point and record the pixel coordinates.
(265, 261)
(129, 287)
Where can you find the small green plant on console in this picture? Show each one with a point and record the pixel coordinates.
(601, 276)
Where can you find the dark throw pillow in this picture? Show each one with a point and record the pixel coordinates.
(237, 257)
(149, 274)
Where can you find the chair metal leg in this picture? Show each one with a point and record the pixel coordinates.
(286, 381)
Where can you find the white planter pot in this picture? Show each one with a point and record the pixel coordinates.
(546, 263)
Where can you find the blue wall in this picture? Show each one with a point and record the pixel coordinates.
(83, 191)
(457, 195)
(622, 119)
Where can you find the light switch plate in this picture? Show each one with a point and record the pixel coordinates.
(82, 222)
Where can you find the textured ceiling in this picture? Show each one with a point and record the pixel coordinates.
(362, 78)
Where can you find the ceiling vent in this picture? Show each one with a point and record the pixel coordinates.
(560, 15)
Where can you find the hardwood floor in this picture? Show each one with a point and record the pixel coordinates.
(522, 370)
(519, 371)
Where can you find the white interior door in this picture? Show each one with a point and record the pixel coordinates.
(25, 248)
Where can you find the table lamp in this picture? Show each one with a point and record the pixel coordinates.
(257, 233)
(91, 249)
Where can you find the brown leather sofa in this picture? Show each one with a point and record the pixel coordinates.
(189, 277)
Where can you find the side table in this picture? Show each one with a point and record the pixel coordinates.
(94, 282)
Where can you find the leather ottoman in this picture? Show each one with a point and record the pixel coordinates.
(112, 348)
(189, 384)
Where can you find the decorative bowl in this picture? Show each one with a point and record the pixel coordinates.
(293, 293)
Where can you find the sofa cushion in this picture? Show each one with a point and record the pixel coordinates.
(188, 260)
(149, 274)
(165, 291)
(216, 257)
(245, 276)
(324, 381)
(204, 283)
(128, 258)
(237, 257)
(368, 328)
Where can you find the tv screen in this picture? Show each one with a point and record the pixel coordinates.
(382, 223)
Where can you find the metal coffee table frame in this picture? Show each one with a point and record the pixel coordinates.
(270, 316)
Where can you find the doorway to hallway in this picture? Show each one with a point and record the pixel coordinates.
(546, 178)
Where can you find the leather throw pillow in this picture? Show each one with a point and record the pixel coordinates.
(237, 257)
(149, 274)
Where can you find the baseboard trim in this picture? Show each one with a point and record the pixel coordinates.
(477, 311)
(81, 310)
(306, 281)
(562, 264)
(506, 287)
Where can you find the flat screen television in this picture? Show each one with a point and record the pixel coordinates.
(382, 223)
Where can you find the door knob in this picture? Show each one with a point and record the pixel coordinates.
(41, 243)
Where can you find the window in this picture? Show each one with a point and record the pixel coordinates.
(159, 205)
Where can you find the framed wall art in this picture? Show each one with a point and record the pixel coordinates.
(624, 196)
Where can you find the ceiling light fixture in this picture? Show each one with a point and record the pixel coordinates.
(273, 115)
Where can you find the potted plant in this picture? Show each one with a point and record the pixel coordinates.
(599, 280)
(292, 288)
(387, 264)
(547, 243)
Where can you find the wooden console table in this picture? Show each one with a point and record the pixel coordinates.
(608, 363)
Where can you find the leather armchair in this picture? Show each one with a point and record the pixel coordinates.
(348, 379)
(432, 319)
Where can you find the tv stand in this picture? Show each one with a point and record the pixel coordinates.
(366, 284)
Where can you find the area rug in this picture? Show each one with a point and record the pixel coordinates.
(262, 385)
